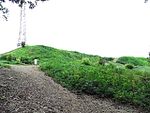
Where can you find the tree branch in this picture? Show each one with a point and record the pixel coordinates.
(32, 4)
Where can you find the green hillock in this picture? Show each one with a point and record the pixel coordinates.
(90, 74)
(137, 61)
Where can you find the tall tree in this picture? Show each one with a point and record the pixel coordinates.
(5, 10)
(146, 1)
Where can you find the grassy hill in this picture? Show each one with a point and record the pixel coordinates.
(137, 61)
(126, 80)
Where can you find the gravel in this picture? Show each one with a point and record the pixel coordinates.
(25, 89)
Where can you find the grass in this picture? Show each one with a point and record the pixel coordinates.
(137, 61)
(4, 65)
(91, 74)
(143, 68)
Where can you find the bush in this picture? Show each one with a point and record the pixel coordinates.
(26, 60)
(3, 57)
(8, 57)
(108, 58)
(129, 66)
(133, 60)
(4, 65)
(86, 61)
(102, 61)
(108, 81)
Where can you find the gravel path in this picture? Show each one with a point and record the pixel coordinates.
(25, 89)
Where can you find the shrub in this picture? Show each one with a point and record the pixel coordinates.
(109, 81)
(4, 65)
(26, 60)
(86, 61)
(8, 57)
(3, 57)
(102, 61)
(129, 66)
(108, 58)
(133, 60)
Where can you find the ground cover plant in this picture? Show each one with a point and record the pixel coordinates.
(137, 61)
(2, 65)
(124, 80)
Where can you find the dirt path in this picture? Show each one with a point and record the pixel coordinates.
(24, 89)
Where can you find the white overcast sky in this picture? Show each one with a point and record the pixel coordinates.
(101, 27)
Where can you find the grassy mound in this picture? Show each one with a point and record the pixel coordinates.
(89, 74)
(137, 61)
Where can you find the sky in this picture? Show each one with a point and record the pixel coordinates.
(111, 28)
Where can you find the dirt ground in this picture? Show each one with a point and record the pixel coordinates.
(25, 89)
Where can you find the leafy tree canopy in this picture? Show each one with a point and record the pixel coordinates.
(146, 1)
(4, 10)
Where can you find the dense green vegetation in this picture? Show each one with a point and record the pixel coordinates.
(4, 65)
(134, 61)
(125, 80)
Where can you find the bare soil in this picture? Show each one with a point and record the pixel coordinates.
(25, 89)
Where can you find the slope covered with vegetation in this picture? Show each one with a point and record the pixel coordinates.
(124, 82)
(137, 61)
